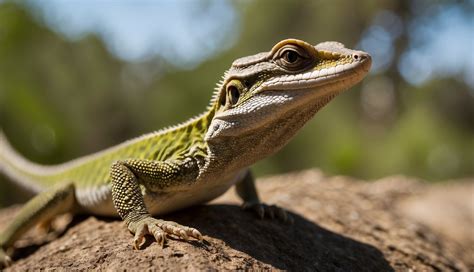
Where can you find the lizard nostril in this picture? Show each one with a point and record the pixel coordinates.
(359, 56)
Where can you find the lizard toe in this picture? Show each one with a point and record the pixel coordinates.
(140, 234)
(271, 211)
(159, 229)
(195, 233)
(255, 207)
(180, 231)
(158, 234)
(283, 215)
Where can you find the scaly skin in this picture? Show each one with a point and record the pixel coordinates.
(260, 104)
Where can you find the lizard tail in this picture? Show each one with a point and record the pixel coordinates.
(18, 169)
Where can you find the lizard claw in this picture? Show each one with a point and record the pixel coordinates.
(158, 229)
(196, 234)
(270, 211)
(182, 233)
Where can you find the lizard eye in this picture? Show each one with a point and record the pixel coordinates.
(293, 57)
(234, 94)
(290, 56)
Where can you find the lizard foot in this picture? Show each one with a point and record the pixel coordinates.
(271, 211)
(159, 228)
(5, 260)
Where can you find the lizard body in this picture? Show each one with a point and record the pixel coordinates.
(260, 104)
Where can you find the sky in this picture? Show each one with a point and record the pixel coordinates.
(138, 30)
(186, 33)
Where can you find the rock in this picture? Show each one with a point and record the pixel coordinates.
(448, 208)
(340, 225)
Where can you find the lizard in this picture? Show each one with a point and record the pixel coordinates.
(260, 103)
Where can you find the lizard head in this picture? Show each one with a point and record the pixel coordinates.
(259, 94)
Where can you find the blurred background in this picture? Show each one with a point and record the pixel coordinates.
(79, 76)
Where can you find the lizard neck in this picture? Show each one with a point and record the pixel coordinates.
(188, 139)
(234, 153)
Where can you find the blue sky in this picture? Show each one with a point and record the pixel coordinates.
(187, 32)
(137, 30)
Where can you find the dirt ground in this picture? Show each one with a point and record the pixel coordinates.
(394, 224)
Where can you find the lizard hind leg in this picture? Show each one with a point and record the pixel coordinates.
(42, 208)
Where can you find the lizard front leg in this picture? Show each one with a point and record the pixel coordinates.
(43, 207)
(127, 176)
(248, 192)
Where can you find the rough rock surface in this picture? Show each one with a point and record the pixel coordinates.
(340, 225)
